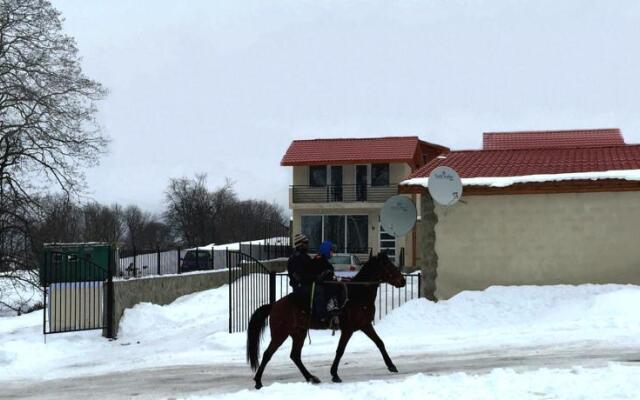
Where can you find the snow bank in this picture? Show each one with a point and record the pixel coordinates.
(613, 382)
(193, 330)
(503, 181)
(519, 315)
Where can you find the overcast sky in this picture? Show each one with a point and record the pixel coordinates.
(223, 87)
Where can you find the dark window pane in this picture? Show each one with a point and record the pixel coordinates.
(380, 175)
(318, 175)
(358, 234)
(361, 183)
(336, 183)
(334, 231)
(312, 227)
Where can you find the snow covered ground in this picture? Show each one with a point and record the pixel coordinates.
(16, 294)
(612, 382)
(193, 331)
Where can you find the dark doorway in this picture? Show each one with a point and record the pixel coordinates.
(336, 183)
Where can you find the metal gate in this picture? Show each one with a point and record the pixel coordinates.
(78, 293)
(251, 285)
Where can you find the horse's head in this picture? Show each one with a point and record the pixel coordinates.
(383, 270)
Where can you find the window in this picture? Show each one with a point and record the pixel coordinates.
(349, 233)
(312, 227)
(334, 231)
(357, 233)
(388, 244)
(317, 175)
(380, 175)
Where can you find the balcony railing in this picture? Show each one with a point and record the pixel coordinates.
(342, 193)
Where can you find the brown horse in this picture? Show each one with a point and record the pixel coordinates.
(289, 318)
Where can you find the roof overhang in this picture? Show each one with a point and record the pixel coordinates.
(548, 187)
(345, 162)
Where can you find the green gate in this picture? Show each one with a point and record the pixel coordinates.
(78, 287)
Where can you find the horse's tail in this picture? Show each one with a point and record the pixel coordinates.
(257, 323)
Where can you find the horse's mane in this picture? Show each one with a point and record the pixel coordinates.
(369, 268)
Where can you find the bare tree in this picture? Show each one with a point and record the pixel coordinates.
(198, 216)
(190, 210)
(103, 223)
(135, 220)
(145, 230)
(48, 131)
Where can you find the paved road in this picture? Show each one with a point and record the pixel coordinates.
(181, 381)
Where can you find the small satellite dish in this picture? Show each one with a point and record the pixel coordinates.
(445, 186)
(398, 216)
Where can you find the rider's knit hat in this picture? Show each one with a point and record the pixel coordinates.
(299, 239)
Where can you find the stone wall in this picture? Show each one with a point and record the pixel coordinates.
(165, 289)
(427, 258)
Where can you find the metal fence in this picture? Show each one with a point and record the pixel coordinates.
(251, 286)
(137, 263)
(342, 193)
(388, 297)
(78, 294)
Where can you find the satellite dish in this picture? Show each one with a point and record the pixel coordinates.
(398, 216)
(445, 186)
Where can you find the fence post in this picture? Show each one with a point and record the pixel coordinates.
(159, 273)
(178, 260)
(110, 334)
(230, 280)
(272, 287)
(135, 263)
(419, 285)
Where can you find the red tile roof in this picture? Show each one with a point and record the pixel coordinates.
(409, 149)
(552, 139)
(500, 163)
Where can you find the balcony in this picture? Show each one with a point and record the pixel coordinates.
(342, 193)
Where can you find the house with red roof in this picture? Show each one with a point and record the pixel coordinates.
(339, 186)
(539, 207)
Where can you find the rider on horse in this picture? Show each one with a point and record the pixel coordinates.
(306, 277)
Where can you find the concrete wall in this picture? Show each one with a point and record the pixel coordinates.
(165, 289)
(531, 239)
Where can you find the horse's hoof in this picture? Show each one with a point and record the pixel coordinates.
(313, 379)
(393, 368)
(336, 379)
(258, 385)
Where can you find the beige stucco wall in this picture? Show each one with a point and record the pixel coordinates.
(537, 239)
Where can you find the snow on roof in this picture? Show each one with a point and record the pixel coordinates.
(500, 168)
(504, 181)
(272, 241)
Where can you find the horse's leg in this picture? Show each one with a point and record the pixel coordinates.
(371, 333)
(344, 339)
(276, 341)
(296, 356)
